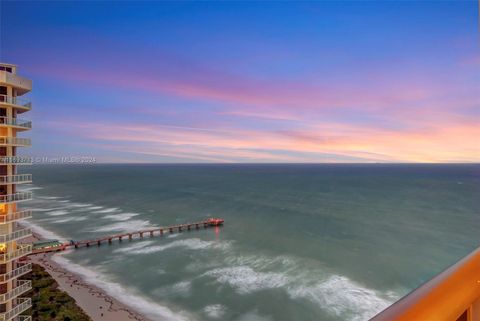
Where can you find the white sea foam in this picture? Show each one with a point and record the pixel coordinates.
(215, 311)
(107, 210)
(94, 208)
(28, 188)
(120, 216)
(127, 296)
(190, 244)
(81, 205)
(171, 236)
(336, 294)
(132, 225)
(57, 213)
(70, 219)
(246, 280)
(179, 289)
(343, 298)
(183, 287)
(41, 231)
(41, 209)
(48, 197)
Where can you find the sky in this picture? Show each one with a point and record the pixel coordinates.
(249, 82)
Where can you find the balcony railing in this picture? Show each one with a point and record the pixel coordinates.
(16, 122)
(22, 250)
(17, 197)
(17, 101)
(23, 286)
(23, 318)
(453, 295)
(16, 179)
(20, 215)
(19, 271)
(15, 141)
(23, 304)
(17, 160)
(18, 234)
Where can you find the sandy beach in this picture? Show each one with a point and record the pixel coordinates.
(97, 304)
(93, 300)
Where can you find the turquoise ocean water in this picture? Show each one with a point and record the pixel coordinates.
(301, 242)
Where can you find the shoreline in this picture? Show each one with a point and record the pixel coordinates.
(94, 301)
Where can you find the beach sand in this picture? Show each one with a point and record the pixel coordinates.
(93, 300)
(97, 304)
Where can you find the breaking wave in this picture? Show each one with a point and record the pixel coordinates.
(246, 280)
(189, 244)
(120, 216)
(343, 298)
(127, 226)
(124, 295)
(215, 311)
(335, 294)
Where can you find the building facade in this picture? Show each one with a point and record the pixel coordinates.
(13, 247)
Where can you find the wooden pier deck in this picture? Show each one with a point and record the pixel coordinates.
(211, 222)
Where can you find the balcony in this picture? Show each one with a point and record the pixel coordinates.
(19, 271)
(22, 250)
(15, 179)
(17, 197)
(15, 160)
(21, 104)
(21, 84)
(16, 235)
(23, 304)
(14, 141)
(453, 295)
(17, 216)
(23, 286)
(20, 124)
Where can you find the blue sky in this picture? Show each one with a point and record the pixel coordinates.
(378, 81)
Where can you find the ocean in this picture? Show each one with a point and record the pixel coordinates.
(300, 242)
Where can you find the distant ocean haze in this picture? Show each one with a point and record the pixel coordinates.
(300, 242)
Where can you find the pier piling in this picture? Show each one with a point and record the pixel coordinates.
(171, 229)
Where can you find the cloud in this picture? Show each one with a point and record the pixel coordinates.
(339, 142)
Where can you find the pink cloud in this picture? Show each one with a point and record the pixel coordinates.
(456, 142)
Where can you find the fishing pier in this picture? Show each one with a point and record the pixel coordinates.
(211, 222)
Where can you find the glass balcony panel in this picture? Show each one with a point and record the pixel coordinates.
(16, 179)
(18, 101)
(17, 197)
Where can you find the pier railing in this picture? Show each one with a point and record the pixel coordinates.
(160, 231)
(453, 295)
